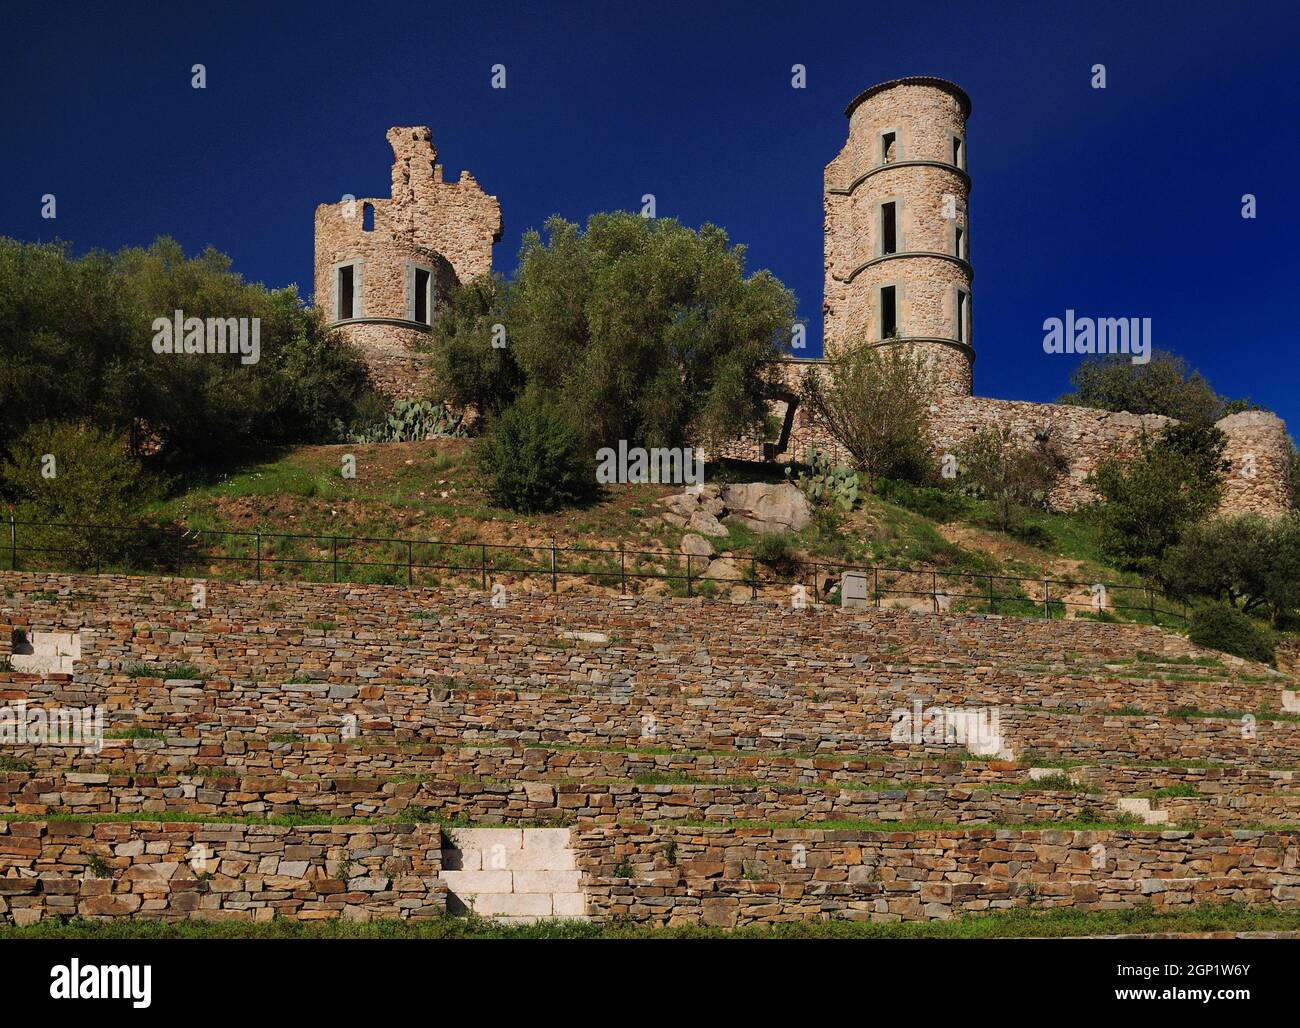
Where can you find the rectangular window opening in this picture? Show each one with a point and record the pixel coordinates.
(956, 151)
(343, 290)
(888, 313)
(960, 242)
(888, 228)
(887, 147)
(962, 306)
(422, 296)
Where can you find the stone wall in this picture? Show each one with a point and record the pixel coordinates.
(448, 227)
(172, 870)
(1256, 479)
(731, 877)
(505, 802)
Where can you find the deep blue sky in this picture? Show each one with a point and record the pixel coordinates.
(1115, 202)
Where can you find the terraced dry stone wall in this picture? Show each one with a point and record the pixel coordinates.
(729, 877)
(173, 870)
(520, 802)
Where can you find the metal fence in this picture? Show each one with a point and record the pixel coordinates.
(150, 549)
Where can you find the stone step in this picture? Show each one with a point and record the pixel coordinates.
(1142, 808)
(514, 875)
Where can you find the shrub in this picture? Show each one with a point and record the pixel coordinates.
(95, 481)
(929, 501)
(875, 402)
(1149, 502)
(1006, 475)
(1163, 385)
(1247, 561)
(534, 458)
(774, 551)
(1221, 626)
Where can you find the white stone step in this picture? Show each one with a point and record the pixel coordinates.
(1142, 808)
(514, 875)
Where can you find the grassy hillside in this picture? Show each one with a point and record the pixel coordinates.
(430, 492)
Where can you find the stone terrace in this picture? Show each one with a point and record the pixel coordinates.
(682, 754)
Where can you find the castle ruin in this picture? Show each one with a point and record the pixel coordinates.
(898, 272)
(383, 266)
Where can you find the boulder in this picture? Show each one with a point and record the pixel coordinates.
(705, 523)
(696, 545)
(764, 507)
(724, 570)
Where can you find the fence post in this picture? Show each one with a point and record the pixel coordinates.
(934, 589)
(1047, 610)
(688, 576)
(875, 585)
(993, 600)
(13, 543)
(259, 554)
(753, 579)
(552, 565)
(622, 570)
(1151, 602)
(482, 560)
(334, 547)
(409, 559)
(178, 549)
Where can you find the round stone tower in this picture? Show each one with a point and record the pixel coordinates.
(897, 234)
(383, 266)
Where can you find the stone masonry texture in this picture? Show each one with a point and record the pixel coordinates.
(415, 710)
(445, 227)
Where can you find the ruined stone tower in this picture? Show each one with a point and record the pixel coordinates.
(382, 266)
(897, 236)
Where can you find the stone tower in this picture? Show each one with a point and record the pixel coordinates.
(382, 265)
(897, 237)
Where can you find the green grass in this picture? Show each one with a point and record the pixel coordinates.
(1172, 792)
(1019, 923)
(188, 672)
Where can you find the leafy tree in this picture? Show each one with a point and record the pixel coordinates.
(1247, 561)
(874, 401)
(1009, 477)
(470, 369)
(78, 333)
(534, 458)
(73, 474)
(1161, 386)
(1150, 501)
(651, 332)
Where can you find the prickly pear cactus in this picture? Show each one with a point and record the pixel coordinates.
(413, 421)
(826, 482)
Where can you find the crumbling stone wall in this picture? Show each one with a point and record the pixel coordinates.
(1256, 478)
(448, 227)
